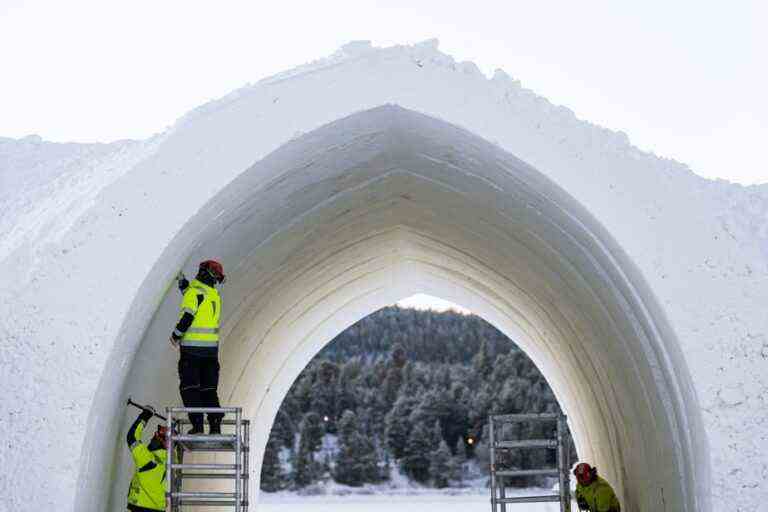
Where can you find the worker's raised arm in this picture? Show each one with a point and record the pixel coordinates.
(139, 451)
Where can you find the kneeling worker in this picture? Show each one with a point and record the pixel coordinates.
(198, 334)
(147, 491)
(593, 493)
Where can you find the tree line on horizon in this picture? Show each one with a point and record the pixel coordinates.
(406, 390)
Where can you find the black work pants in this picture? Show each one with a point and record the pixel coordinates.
(136, 508)
(199, 378)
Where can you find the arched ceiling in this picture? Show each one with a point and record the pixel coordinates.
(386, 203)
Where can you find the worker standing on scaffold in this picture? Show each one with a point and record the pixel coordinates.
(197, 333)
(593, 493)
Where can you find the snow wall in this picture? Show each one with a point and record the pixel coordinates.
(332, 190)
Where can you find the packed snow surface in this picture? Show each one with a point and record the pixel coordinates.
(91, 235)
(403, 503)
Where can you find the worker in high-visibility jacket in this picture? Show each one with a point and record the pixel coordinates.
(147, 491)
(593, 493)
(197, 333)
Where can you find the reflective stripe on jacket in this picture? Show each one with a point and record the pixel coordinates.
(598, 496)
(204, 303)
(148, 483)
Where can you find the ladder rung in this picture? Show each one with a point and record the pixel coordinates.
(205, 410)
(203, 466)
(528, 443)
(201, 438)
(185, 421)
(215, 476)
(210, 503)
(192, 447)
(528, 472)
(530, 499)
(204, 495)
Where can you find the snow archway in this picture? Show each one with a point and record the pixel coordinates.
(386, 203)
(646, 281)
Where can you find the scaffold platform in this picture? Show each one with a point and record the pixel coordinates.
(234, 439)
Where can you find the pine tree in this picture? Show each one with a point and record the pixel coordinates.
(442, 467)
(482, 361)
(398, 425)
(323, 391)
(312, 431)
(460, 458)
(416, 457)
(283, 429)
(307, 470)
(272, 476)
(356, 460)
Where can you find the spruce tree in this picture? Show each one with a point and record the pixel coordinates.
(283, 429)
(272, 476)
(307, 470)
(398, 425)
(416, 457)
(442, 467)
(356, 460)
(482, 361)
(460, 458)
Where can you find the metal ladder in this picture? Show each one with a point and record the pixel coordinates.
(235, 442)
(560, 442)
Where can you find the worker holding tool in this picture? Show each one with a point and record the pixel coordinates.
(197, 333)
(593, 493)
(147, 491)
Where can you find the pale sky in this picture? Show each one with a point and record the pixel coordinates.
(684, 79)
(424, 301)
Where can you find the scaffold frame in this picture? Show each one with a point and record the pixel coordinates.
(560, 443)
(235, 442)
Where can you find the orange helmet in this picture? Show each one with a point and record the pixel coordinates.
(214, 268)
(585, 474)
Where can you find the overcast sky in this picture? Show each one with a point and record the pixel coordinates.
(684, 79)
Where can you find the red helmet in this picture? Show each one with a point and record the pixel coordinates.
(214, 268)
(585, 474)
(161, 435)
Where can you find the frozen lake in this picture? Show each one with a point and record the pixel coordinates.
(379, 503)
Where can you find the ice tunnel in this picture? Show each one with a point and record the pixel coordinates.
(386, 203)
(341, 187)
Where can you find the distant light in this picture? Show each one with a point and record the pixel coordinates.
(471, 440)
(326, 418)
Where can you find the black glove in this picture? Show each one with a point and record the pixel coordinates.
(146, 415)
(582, 504)
(183, 283)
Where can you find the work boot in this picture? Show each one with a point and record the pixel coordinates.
(215, 426)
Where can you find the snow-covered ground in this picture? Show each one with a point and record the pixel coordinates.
(436, 502)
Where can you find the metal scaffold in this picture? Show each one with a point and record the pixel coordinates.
(499, 446)
(234, 439)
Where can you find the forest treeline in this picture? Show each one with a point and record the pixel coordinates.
(405, 390)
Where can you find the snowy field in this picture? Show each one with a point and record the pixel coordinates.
(379, 503)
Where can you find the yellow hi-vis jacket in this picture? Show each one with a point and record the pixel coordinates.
(597, 496)
(204, 303)
(148, 483)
